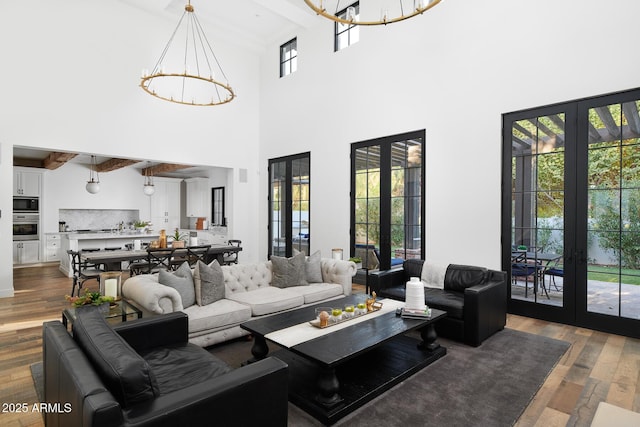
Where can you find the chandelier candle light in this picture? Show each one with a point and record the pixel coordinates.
(380, 12)
(188, 76)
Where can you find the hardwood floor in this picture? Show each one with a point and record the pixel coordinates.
(598, 366)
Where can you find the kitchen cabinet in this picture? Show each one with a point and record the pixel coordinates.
(52, 247)
(165, 204)
(27, 183)
(26, 252)
(198, 197)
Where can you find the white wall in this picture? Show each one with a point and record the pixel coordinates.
(453, 71)
(69, 81)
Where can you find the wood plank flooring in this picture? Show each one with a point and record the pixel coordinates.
(598, 366)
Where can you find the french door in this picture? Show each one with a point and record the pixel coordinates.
(387, 200)
(571, 212)
(289, 203)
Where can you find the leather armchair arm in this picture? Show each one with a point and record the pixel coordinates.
(379, 280)
(224, 400)
(485, 308)
(142, 334)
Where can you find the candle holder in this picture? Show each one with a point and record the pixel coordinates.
(111, 284)
(336, 253)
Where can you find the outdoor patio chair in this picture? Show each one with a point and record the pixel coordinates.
(553, 269)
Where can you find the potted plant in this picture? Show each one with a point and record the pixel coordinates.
(91, 298)
(357, 261)
(140, 225)
(178, 239)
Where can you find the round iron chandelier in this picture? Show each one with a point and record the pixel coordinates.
(382, 12)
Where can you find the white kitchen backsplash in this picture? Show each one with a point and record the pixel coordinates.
(98, 219)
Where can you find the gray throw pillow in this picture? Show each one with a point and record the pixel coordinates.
(288, 271)
(182, 281)
(313, 268)
(209, 282)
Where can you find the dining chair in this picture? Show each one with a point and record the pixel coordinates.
(231, 257)
(82, 271)
(156, 260)
(522, 267)
(554, 269)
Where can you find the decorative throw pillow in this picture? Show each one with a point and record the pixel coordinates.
(288, 271)
(313, 268)
(208, 281)
(182, 281)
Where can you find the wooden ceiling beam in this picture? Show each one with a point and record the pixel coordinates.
(163, 168)
(113, 164)
(55, 160)
(608, 121)
(630, 111)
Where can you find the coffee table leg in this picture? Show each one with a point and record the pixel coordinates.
(429, 338)
(328, 386)
(259, 350)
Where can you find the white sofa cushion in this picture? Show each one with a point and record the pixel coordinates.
(315, 292)
(217, 315)
(268, 300)
(240, 278)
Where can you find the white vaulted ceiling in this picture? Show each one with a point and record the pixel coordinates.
(251, 23)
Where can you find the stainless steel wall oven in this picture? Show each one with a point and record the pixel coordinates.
(26, 226)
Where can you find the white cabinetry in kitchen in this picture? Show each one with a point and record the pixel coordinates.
(26, 182)
(26, 252)
(198, 197)
(52, 247)
(165, 204)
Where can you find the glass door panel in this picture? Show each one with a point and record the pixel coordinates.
(367, 205)
(613, 252)
(278, 211)
(537, 209)
(300, 208)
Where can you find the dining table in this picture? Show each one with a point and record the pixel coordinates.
(539, 259)
(113, 258)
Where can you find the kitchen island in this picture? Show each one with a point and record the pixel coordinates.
(77, 241)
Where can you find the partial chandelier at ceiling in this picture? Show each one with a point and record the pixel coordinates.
(190, 72)
(370, 12)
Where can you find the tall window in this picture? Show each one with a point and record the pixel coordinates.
(289, 57)
(289, 199)
(387, 200)
(347, 34)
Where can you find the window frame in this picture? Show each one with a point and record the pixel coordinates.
(348, 30)
(289, 62)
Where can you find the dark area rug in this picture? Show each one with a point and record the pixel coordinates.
(490, 385)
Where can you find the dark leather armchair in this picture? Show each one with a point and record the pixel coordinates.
(475, 298)
(145, 373)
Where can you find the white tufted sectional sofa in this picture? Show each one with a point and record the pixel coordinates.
(248, 293)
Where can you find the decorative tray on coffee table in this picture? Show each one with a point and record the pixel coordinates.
(374, 307)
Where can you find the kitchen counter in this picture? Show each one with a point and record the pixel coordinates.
(100, 235)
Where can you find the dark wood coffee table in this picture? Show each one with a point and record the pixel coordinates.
(332, 375)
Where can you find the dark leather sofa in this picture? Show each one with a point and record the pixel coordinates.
(145, 373)
(475, 298)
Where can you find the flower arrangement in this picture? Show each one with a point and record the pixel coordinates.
(89, 298)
